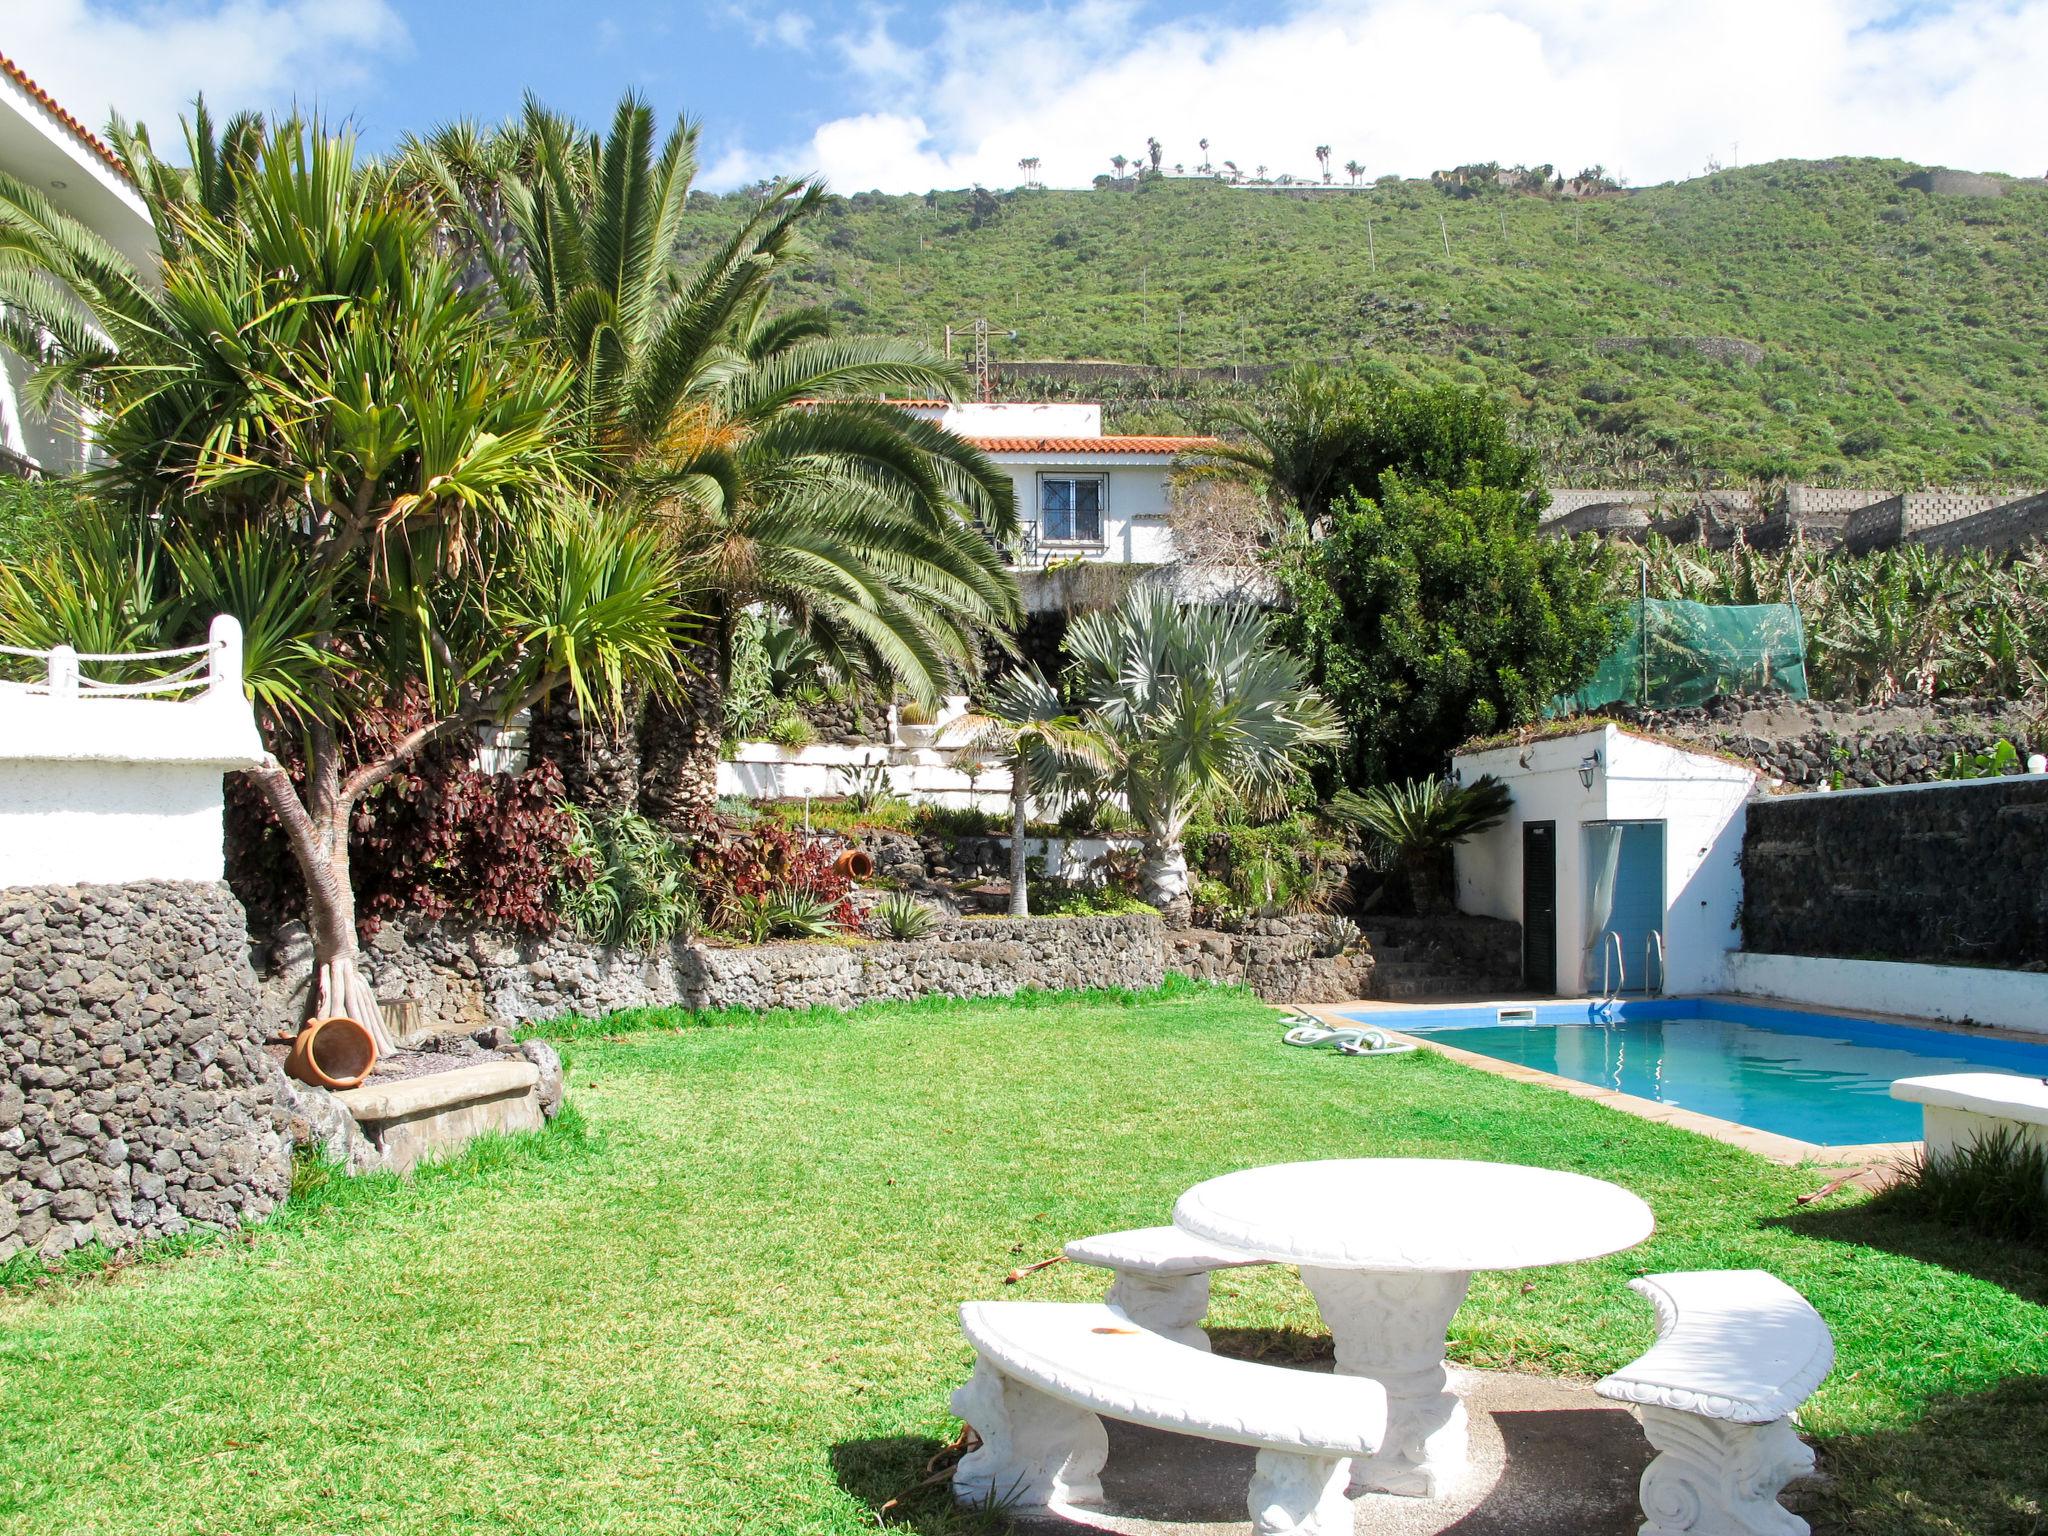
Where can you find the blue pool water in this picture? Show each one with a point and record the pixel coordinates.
(1817, 1077)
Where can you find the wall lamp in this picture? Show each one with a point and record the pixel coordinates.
(1586, 766)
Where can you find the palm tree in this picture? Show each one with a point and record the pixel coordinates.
(1119, 162)
(1204, 167)
(1323, 159)
(1354, 169)
(1154, 150)
(1193, 704)
(759, 443)
(327, 437)
(1024, 724)
(1302, 448)
(1413, 826)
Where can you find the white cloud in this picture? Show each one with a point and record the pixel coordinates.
(1650, 88)
(147, 63)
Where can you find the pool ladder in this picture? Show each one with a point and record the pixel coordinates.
(1614, 967)
(1613, 971)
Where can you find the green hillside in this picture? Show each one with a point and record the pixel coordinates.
(1889, 336)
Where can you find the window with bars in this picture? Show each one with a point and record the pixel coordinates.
(1070, 508)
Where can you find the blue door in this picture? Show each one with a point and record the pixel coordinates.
(1638, 914)
(1624, 866)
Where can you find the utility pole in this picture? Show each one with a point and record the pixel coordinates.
(1444, 230)
(1371, 255)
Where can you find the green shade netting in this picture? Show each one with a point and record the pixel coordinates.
(1677, 654)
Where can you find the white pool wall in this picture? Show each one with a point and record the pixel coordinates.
(2016, 1000)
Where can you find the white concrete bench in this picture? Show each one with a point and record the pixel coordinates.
(1737, 1351)
(1045, 1371)
(1162, 1277)
(1958, 1109)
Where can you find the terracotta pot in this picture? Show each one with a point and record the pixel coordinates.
(855, 864)
(332, 1053)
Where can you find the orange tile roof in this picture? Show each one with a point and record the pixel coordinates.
(1091, 444)
(48, 102)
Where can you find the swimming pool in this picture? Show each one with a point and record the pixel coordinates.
(1815, 1077)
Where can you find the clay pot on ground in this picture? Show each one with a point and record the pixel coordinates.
(855, 864)
(332, 1053)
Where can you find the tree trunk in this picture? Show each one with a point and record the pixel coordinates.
(680, 741)
(1020, 796)
(599, 759)
(1163, 877)
(318, 835)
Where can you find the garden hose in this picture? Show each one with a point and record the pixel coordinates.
(1349, 1041)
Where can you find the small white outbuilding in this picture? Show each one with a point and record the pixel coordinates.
(1621, 859)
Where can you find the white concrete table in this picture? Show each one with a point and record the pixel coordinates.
(1388, 1247)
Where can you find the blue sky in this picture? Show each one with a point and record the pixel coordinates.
(908, 94)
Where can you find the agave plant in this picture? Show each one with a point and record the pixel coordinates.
(1412, 826)
(902, 916)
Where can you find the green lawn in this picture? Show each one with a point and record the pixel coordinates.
(724, 1301)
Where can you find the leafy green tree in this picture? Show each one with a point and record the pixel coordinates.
(1025, 725)
(1193, 704)
(758, 442)
(1435, 616)
(1326, 433)
(317, 429)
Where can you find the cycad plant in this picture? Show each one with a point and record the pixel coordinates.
(758, 443)
(1193, 705)
(322, 433)
(1411, 827)
(1025, 726)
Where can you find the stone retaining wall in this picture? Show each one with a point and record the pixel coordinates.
(465, 979)
(1306, 958)
(135, 1098)
(1953, 874)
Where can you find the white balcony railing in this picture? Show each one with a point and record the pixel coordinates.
(185, 673)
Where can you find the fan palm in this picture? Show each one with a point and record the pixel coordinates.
(761, 445)
(328, 438)
(1193, 704)
(1025, 725)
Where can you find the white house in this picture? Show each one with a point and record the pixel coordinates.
(45, 147)
(1083, 496)
(1621, 859)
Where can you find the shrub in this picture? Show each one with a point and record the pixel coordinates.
(952, 821)
(902, 916)
(1997, 1185)
(437, 839)
(740, 874)
(795, 914)
(624, 881)
(792, 732)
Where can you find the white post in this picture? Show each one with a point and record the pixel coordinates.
(224, 667)
(63, 675)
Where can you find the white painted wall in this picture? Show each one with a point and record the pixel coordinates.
(1699, 798)
(2010, 999)
(102, 789)
(1047, 418)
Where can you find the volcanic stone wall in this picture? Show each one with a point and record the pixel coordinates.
(1953, 874)
(135, 1098)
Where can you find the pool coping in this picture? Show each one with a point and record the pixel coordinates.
(1785, 1150)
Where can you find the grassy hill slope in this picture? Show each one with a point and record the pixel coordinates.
(1888, 335)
